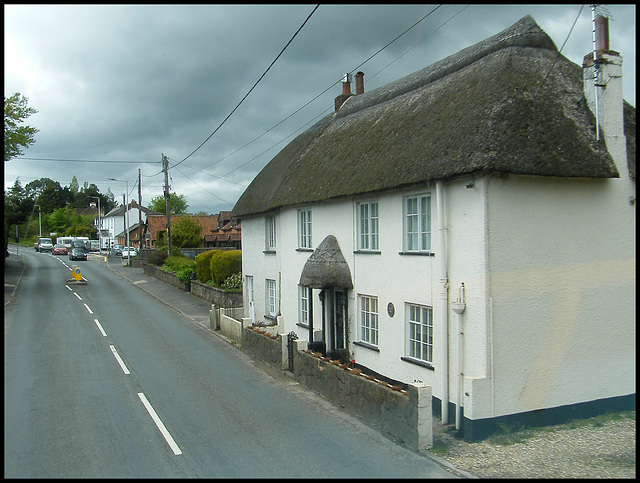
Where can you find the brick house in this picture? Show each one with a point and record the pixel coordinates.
(221, 230)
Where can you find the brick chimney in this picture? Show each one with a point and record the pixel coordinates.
(346, 91)
(359, 83)
(602, 76)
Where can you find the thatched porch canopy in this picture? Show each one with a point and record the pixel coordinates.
(326, 267)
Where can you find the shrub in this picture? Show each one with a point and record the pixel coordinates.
(157, 257)
(184, 274)
(180, 265)
(178, 262)
(224, 264)
(203, 266)
(234, 282)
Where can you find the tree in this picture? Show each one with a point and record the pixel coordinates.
(49, 194)
(17, 137)
(186, 232)
(74, 187)
(16, 206)
(177, 204)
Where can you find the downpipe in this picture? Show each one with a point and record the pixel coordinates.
(444, 299)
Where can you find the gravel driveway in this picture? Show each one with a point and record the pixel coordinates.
(601, 447)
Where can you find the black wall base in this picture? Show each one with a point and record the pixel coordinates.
(474, 430)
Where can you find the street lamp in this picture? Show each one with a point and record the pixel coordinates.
(99, 222)
(126, 209)
(39, 220)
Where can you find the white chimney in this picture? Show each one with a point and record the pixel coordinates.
(602, 76)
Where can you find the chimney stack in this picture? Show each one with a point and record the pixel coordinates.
(359, 83)
(346, 84)
(602, 77)
(602, 34)
(346, 91)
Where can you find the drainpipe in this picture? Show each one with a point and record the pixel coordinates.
(443, 312)
(458, 307)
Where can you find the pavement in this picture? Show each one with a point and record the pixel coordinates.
(13, 269)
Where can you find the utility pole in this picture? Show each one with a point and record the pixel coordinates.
(39, 220)
(139, 212)
(99, 222)
(165, 168)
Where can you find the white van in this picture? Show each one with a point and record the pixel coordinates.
(44, 245)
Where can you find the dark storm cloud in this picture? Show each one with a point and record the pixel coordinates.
(130, 83)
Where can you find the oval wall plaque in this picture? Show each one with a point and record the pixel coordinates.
(391, 310)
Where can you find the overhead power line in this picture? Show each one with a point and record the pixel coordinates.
(204, 189)
(559, 52)
(397, 38)
(322, 93)
(250, 90)
(88, 161)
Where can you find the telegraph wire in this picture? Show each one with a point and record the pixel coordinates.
(254, 86)
(204, 189)
(559, 52)
(328, 89)
(396, 38)
(88, 161)
(418, 43)
(268, 130)
(212, 175)
(279, 142)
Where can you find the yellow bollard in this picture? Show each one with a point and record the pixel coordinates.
(76, 273)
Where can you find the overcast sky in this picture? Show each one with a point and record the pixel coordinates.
(116, 86)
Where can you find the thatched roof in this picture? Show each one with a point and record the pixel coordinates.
(326, 267)
(509, 104)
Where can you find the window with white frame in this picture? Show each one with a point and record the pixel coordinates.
(368, 226)
(271, 232)
(304, 305)
(271, 298)
(418, 223)
(420, 332)
(304, 228)
(368, 319)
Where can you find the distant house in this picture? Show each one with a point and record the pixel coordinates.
(463, 226)
(113, 225)
(227, 232)
(218, 231)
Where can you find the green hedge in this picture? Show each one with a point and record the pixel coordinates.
(203, 266)
(224, 264)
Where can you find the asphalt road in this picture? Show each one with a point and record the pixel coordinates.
(103, 380)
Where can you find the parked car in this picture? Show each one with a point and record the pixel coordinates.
(44, 245)
(129, 252)
(59, 249)
(116, 250)
(78, 253)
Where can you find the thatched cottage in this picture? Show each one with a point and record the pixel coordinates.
(470, 226)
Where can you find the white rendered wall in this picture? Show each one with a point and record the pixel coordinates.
(467, 249)
(562, 286)
(549, 271)
(390, 276)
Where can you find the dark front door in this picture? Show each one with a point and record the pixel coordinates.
(337, 310)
